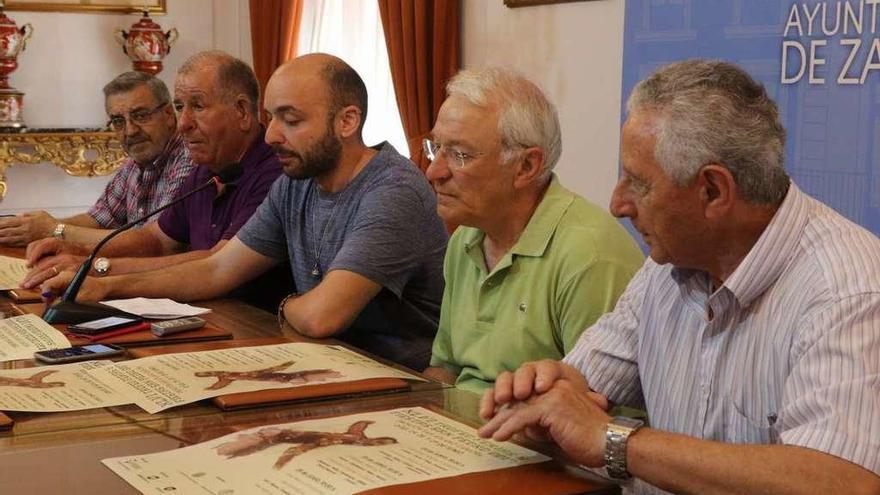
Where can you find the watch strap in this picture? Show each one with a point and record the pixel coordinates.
(617, 433)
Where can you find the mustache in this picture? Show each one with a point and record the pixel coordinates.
(136, 139)
(283, 152)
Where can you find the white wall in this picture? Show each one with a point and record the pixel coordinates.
(69, 59)
(574, 51)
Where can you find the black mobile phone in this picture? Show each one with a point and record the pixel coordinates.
(104, 324)
(79, 353)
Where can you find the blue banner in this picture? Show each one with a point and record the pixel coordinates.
(820, 61)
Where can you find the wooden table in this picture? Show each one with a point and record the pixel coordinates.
(61, 452)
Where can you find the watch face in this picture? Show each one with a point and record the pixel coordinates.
(102, 265)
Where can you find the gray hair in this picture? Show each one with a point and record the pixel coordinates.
(234, 77)
(128, 81)
(714, 112)
(527, 118)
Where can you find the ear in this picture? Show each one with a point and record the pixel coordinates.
(243, 112)
(718, 191)
(348, 121)
(530, 167)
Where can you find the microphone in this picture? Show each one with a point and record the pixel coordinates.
(67, 310)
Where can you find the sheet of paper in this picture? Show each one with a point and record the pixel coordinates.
(343, 455)
(64, 387)
(12, 272)
(22, 336)
(156, 309)
(159, 382)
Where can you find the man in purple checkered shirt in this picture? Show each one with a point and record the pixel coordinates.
(140, 111)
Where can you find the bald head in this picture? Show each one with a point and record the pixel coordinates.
(338, 84)
(232, 76)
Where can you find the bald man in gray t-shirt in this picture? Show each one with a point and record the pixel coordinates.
(382, 225)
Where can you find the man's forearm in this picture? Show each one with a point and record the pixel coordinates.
(84, 235)
(82, 220)
(683, 464)
(135, 243)
(201, 282)
(120, 266)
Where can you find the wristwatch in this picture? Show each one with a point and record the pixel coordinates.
(101, 266)
(617, 432)
(58, 233)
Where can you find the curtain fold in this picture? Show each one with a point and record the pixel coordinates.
(274, 33)
(423, 40)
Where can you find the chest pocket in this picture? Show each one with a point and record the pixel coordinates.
(741, 426)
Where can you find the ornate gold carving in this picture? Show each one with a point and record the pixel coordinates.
(82, 154)
(90, 6)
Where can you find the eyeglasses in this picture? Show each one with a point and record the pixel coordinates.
(458, 158)
(139, 117)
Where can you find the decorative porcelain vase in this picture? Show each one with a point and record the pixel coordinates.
(145, 44)
(12, 42)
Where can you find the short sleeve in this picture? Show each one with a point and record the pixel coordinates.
(386, 243)
(831, 399)
(174, 222)
(588, 294)
(248, 202)
(264, 232)
(109, 211)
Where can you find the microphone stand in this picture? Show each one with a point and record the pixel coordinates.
(67, 310)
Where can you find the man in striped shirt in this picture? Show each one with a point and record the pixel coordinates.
(139, 108)
(751, 335)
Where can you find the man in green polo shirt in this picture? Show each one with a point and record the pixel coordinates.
(532, 264)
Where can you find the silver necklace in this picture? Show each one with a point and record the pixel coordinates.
(317, 246)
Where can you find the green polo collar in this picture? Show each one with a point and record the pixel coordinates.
(536, 237)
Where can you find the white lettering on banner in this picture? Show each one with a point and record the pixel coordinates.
(855, 20)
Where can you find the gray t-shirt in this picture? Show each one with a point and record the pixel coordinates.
(384, 226)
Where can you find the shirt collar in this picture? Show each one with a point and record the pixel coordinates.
(767, 259)
(534, 239)
(769, 256)
(536, 236)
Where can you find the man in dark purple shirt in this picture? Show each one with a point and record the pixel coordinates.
(206, 218)
(216, 98)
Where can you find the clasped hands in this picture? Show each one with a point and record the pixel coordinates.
(548, 400)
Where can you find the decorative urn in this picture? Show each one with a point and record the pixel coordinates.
(145, 44)
(12, 42)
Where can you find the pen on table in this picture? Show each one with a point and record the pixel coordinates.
(49, 296)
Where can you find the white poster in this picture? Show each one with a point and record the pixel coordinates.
(22, 336)
(12, 272)
(159, 382)
(66, 387)
(342, 455)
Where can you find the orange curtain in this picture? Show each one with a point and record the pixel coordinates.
(274, 29)
(423, 39)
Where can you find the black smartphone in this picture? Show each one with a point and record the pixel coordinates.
(79, 353)
(103, 325)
